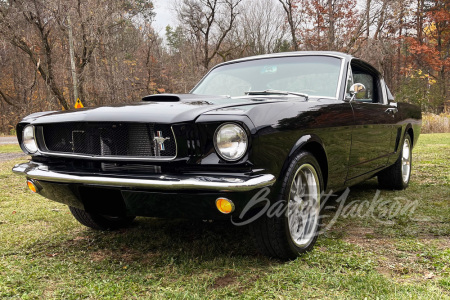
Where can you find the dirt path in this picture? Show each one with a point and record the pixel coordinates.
(4, 140)
(11, 156)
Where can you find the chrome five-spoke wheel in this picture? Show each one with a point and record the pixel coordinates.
(406, 160)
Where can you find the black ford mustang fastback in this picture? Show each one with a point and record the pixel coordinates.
(259, 140)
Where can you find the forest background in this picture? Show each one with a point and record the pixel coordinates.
(105, 52)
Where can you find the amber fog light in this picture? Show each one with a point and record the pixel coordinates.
(224, 205)
(32, 186)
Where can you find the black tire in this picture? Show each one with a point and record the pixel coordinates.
(397, 176)
(100, 222)
(272, 234)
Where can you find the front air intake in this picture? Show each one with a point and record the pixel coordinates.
(162, 98)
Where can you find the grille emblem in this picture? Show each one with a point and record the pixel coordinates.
(160, 140)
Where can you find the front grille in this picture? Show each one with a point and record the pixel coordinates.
(110, 139)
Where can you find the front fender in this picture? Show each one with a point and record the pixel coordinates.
(313, 144)
(304, 140)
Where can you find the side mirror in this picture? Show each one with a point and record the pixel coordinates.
(357, 88)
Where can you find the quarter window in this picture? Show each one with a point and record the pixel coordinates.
(367, 80)
(365, 74)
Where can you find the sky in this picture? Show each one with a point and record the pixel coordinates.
(164, 15)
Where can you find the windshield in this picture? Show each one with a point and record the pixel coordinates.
(311, 75)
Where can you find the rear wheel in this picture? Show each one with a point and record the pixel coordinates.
(293, 232)
(397, 176)
(100, 222)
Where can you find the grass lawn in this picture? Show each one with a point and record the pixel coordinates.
(46, 254)
(10, 148)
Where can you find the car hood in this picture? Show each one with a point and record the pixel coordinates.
(188, 108)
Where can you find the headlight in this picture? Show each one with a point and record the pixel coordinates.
(28, 139)
(230, 141)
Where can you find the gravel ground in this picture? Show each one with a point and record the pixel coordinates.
(8, 140)
(11, 156)
(5, 140)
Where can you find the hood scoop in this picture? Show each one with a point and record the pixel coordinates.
(162, 98)
(185, 98)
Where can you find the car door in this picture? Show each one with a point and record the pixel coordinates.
(374, 123)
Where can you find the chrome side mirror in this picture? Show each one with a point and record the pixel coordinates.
(355, 89)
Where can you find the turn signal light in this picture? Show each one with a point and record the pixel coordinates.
(224, 205)
(32, 186)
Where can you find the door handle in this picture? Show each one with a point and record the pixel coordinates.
(391, 110)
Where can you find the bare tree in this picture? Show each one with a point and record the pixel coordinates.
(209, 22)
(37, 16)
(293, 17)
(262, 28)
(46, 42)
(381, 19)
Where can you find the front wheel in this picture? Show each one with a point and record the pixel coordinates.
(100, 222)
(397, 176)
(295, 231)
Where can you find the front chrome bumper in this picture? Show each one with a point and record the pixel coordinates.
(218, 183)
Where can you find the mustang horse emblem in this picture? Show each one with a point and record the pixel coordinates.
(160, 140)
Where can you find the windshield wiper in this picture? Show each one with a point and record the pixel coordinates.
(276, 92)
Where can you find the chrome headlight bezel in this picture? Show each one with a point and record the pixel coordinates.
(244, 139)
(29, 139)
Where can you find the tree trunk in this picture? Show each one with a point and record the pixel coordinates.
(330, 25)
(381, 20)
(368, 18)
(419, 21)
(72, 61)
(400, 36)
(287, 6)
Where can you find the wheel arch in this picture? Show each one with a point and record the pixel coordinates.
(409, 130)
(314, 145)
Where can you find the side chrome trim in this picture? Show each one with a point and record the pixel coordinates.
(341, 74)
(38, 171)
(112, 158)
